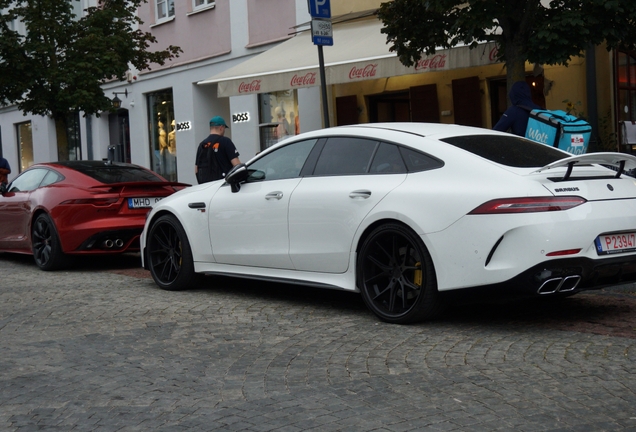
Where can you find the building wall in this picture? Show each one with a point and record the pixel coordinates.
(569, 84)
(221, 37)
(240, 29)
(43, 133)
(200, 35)
(345, 7)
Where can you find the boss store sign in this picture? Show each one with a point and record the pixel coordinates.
(241, 117)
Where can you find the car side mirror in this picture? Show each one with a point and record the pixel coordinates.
(237, 175)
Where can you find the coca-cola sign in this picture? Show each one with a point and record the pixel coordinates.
(493, 54)
(249, 87)
(431, 63)
(367, 71)
(304, 80)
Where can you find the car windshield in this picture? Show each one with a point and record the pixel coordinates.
(508, 150)
(110, 174)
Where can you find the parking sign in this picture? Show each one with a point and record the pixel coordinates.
(322, 33)
(319, 8)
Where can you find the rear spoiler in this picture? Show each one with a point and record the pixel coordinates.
(619, 161)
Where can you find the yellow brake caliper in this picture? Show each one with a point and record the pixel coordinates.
(417, 274)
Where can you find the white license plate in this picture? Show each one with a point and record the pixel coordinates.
(615, 243)
(135, 203)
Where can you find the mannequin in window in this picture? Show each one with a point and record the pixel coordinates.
(163, 146)
(163, 143)
(171, 157)
(282, 130)
(172, 139)
(295, 121)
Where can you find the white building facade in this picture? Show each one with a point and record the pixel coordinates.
(253, 63)
(164, 112)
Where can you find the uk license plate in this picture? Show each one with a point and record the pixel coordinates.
(616, 243)
(136, 203)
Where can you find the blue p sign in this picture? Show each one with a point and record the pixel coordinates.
(319, 8)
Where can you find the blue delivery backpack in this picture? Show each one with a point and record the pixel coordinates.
(559, 129)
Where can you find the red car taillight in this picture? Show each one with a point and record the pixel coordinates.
(98, 202)
(528, 205)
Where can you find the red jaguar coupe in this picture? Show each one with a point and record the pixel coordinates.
(58, 209)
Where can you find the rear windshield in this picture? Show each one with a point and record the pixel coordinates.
(508, 150)
(118, 174)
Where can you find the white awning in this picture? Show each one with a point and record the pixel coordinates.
(359, 52)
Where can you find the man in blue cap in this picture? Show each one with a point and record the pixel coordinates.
(216, 155)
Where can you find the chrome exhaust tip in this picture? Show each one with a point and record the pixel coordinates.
(550, 286)
(108, 243)
(570, 283)
(119, 243)
(560, 284)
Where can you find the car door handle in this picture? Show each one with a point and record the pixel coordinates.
(274, 195)
(360, 194)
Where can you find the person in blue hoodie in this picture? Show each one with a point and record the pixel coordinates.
(515, 118)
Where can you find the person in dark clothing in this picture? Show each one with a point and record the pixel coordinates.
(515, 118)
(216, 154)
(5, 170)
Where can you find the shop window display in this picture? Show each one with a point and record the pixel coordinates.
(626, 71)
(279, 117)
(163, 142)
(25, 144)
(72, 148)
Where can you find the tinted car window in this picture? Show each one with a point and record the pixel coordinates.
(416, 161)
(508, 150)
(345, 156)
(28, 180)
(50, 178)
(282, 163)
(119, 174)
(387, 160)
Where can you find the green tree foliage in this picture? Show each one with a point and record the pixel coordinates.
(543, 32)
(57, 65)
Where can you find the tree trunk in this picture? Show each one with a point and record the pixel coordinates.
(515, 66)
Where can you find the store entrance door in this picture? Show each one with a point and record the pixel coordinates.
(390, 107)
(499, 95)
(119, 131)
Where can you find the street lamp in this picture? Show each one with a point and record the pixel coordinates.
(117, 101)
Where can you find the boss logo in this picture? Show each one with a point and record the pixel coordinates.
(240, 117)
(182, 126)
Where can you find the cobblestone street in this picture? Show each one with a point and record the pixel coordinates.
(100, 348)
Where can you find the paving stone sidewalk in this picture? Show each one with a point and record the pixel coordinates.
(101, 348)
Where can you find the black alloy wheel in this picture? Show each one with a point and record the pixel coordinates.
(45, 244)
(169, 255)
(396, 276)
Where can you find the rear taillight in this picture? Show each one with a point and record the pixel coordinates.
(564, 252)
(528, 205)
(99, 202)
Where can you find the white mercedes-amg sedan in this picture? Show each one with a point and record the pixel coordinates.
(405, 214)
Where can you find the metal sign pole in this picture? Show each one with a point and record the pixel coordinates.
(322, 34)
(323, 86)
